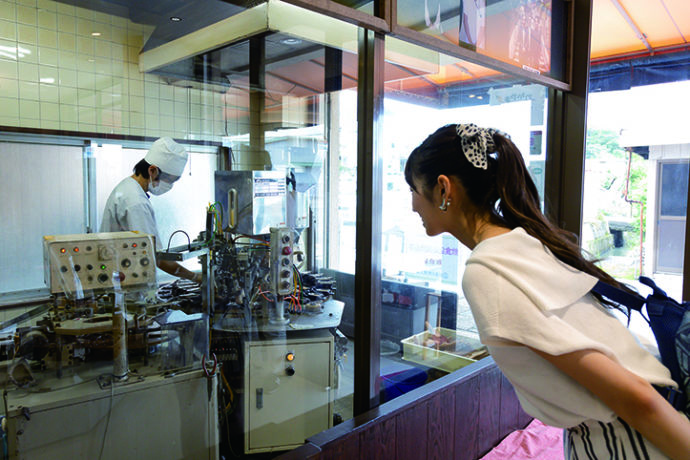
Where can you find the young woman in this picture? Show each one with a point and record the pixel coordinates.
(572, 363)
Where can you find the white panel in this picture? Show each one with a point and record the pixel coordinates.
(283, 409)
(42, 194)
(182, 208)
(160, 418)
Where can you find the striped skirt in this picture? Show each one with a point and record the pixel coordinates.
(594, 440)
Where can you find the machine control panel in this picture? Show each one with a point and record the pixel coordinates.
(281, 260)
(95, 261)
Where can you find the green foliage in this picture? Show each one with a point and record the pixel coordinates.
(601, 143)
(609, 167)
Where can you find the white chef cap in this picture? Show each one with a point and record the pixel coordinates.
(168, 155)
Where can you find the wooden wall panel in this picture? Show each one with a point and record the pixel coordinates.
(460, 416)
(524, 418)
(411, 433)
(489, 410)
(441, 426)
(345, 447)
(378, 442)
(510, 408)
(466, 416)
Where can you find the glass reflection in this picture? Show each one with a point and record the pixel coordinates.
(427, 328)
(525, 33)
(252, 357)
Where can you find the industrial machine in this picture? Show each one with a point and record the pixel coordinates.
(87, 262)
(108, 368)
(248, 358)
(274, 324)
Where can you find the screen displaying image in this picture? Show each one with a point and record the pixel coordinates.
(519, 31)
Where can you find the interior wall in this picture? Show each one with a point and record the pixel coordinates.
(55, 74)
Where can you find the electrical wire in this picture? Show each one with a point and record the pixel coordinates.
(299, 279)
(110, 411)
(189, 241)
(261, 241)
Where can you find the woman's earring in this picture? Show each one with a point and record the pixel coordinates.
(444, 205)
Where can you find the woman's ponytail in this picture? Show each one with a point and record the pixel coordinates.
(500, 187)
(519, 206)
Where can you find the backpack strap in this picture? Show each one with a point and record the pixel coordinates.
(633, 301)
(657, 291)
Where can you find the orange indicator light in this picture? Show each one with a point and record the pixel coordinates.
(76, 249)
(134, 245)
(63, 250)
(290, 356)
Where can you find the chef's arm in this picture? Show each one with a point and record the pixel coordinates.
(175, 269)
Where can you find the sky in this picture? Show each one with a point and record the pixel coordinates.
(643, 115)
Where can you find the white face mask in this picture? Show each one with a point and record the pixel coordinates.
(160, 187)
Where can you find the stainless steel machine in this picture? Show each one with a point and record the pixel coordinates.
(273, 324)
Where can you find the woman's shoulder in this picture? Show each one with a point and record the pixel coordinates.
(515, 245)
(514, 237)
(523, 261)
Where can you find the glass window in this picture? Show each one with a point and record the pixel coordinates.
(366, 6)
(674, 189)
(180, 209)
(270, 108)
(283, 262)
(43, 194)
(527, 33)
(422, 299)
(636, 175)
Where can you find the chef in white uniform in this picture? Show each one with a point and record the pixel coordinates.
(128, 207)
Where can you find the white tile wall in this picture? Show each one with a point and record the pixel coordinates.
(54, 74)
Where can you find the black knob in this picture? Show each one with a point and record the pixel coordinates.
(144, 261)
(290, 370)
(126, 263)
(102, 278)
(77, 268)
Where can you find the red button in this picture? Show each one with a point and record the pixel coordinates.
(287, 250)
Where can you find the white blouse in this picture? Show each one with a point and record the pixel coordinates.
(521, 295)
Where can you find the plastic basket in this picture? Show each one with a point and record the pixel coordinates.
(447, 354)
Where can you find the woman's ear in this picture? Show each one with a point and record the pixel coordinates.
(444, 184)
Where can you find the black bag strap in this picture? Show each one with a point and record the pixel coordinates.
(633, 301)
(656, 290)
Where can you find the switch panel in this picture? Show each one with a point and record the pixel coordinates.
(97, 261)
(281, 261)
